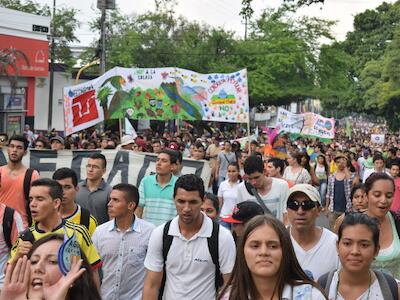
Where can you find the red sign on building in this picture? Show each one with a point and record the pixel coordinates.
(36, 51)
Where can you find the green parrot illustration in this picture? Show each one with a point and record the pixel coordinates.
(119, 96)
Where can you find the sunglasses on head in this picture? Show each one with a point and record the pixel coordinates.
(305, 205)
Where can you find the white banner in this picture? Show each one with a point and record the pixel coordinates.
(378, 138)
(289, 122)
(122, 166)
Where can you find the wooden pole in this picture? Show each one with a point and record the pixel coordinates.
(248, 132)
(120, 129)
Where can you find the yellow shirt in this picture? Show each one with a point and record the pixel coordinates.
(76, 218)
(82, 236)
(332, 167)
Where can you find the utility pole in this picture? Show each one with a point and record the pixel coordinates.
(103, 5)
(51, 83)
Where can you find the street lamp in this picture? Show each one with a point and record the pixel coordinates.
(51, 87)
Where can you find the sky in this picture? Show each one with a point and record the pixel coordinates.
(221, 13)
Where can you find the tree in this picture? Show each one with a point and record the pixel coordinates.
(64, 24)
(9, 65)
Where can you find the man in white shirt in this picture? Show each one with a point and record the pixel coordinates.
(315, 247)
(188, 262)
(379, 167)
(273, 191)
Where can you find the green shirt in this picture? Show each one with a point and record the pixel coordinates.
(157, 201)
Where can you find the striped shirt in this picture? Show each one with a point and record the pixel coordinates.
(122, 254)
(157, 201)
(82, 237)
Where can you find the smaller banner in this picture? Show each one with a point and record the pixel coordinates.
(317, 125)
(289, 122)
(378, 138)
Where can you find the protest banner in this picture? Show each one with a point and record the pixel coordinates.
(318, 126)
(289, 122)
(122, 166)
(156, 94)
(378, 138)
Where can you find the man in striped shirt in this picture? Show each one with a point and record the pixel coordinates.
(156, 203)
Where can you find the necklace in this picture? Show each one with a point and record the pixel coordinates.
(369, 285)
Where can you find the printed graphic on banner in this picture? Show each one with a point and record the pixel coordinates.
(289, 122)
(317, 125)
(122, 166)
(378, 138)
(157, 94)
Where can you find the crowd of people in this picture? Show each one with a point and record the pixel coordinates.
(251, 232)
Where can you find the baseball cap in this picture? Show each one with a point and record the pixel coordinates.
(339, 156)
(243, 212)
(126, 140)
(57, 138)
(307, 189)
(173, 146)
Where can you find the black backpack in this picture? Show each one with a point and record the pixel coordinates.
(387, 284)
(85, 217)
(8, 220)
(212, 242)
(27, 187)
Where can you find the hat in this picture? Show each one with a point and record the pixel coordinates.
(305, 188)
(126, 140)
(57, 138)
(339, 156)
(173, 146)
(243, 212)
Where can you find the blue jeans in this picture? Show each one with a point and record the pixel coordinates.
(323, 186)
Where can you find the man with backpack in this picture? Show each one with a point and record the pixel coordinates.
(11, 222)
(69, 209)
(16, 178)
(187, 255)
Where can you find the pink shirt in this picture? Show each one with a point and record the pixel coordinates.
(395, 207)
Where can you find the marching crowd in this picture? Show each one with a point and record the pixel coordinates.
(249, 233)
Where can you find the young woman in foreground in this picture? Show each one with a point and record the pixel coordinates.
(266, 266)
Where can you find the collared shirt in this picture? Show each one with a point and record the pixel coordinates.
(348, 182)
(123, 255)
(157, 201)
(95, 201)
(190, 271)
(67, 227)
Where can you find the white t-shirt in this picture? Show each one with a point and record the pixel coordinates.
(190, 272)
(320, 259)
(275, 199)
(373, 293)
(229, 194)
(300, 177)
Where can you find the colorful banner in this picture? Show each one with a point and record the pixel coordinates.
(122, 166)
(157, 94)
(309, 124)
(319, 126)
(289, 122)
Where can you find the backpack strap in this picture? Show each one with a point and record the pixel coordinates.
(85, 217)
(326, 280)
(213, 247)
(166, 245)
(27, 187)
(396, 218)
(8, 220)
(388, 285)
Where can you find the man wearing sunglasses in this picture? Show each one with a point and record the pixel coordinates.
(315, 247)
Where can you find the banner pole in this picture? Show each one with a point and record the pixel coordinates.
(120, 129)
(248, 132)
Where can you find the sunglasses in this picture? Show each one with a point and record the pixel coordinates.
(305, 205)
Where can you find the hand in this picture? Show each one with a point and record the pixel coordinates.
(23, 248)
(59, 290)
(16, 280)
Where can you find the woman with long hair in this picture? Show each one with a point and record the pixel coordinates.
(210, 206)
(227, 191)
(266, 266)
(379, 188)
(357, 246)
(38, 275)
(321, 170)
(295, 172)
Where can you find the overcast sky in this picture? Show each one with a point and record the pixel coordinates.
(223, 13)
